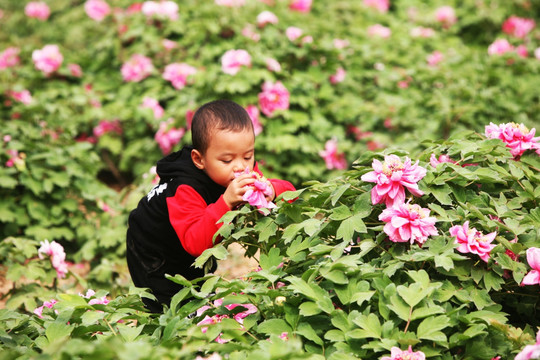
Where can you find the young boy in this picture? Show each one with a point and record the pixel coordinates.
(176, 221)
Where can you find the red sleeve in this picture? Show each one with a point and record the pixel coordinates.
(193, 220)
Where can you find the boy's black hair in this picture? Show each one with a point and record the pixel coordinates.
(217, 115)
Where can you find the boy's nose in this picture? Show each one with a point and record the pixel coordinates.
(239, 165)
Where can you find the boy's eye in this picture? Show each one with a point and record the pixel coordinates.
(226, 161)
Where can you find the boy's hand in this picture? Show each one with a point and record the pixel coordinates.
(271, 196)
(236, 189)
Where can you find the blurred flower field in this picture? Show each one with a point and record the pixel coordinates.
(409, 128)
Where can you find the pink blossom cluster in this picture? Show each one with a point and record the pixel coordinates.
(95, 301)
(517, 137)
(293, 33)
(231, 3)
(210, 320)
(75, 70)
(533, 258)
(97, 9)
(23, 96)
(48, 59)
(338, 76)
(381, 5)
(161, 9)
(303, 6)
(253, 113)
(423, 32)
(265, 18)
(107, 126)
(472, 241)
(398, 354)
(392, 177)
(273, 65)
(274, 96)
(530, 352)
(379, 31)
(153, 104)
(517, 26)
(56, 253)
(15, 159)
(331, 156)
(38, 10)
(178, 73)
(213, 356)
(502, 46)
(434, 58)
(249, 32)
(257, 192)
(168, 136)
(137, 68)
(408, 223)
(233, 60)
(9, 58)
(446, 15)
(434, 161)
(47, 304)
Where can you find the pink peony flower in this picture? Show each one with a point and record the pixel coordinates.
(341, 43)
(15, 159)
(408, 223)
(421, 31)
(99, 301)
(381, 5)
(536, 54)
(530, 351)
(214, 356)
(167, 136)
(230, 3)
(217, 318)
(256, 195)
(434, 58)
(392, 177)
(38, 10)
(265, 18)
(398, 354)
(274, 96)
(178, 73)
(137, 68)
(232, 60)
(9, 58)
(446, 16)
(433, 161)
(168, 44)
(47, 304)
(253, 113)
(339, 76)
(75, 70)
(332, 158)
(521, 50)
(97, 9)
(23, 96)
(293, 33)
(379, 30)
(151, 103)
(473, 241)
(499, 47)
(89, 294)
(518, 27)
(517, 137)
(106, 126)
(249, 32)
(303, 6)
(47, 59)
(273, 65)
(56, 253)
(533, 258)
(162, 9)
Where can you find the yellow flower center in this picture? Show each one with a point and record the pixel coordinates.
(392, 165)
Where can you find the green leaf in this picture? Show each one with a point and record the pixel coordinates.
(307, 331)
(274, 326)
(413, 294)
(91, 317)
(130, 333)
(349, 226)
(337, 193)
(370, 327)
(429, 328)
(218, 251)
(56, 331)
(309, 308)
(340, 213)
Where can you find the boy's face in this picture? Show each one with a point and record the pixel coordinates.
(228, 152)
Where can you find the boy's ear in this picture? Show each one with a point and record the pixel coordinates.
(197, 159)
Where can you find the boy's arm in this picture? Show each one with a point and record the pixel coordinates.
(280, 186)
(193, 220)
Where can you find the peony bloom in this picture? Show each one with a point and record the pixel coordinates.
(341, 43)
(23, 96)
(533, 258)
(293, 33)
(167, 136)
(106, 126)
(9, 58)
(408, 223)
(214, 356)
(38, 10)
(379, 30)
(89, 294)
(392, 177)
(473, 241)
(56, 253)
(398, 354)
(303, 6)
(232, 60)
(332, 158)
(530, 351)
(522, 51)
(256, 195)
(177, 74)
(265, 18)
(230, 3)
(168, 44)
(97, 9)
(518, 27)
(47, 304)
(239, 317)
(421, 31)
(75, 70)
(162, 9)
(517, 137)
(274, 96)
(446, 16)
(381, 5)
(137, 68)
(536, 55)
(249, 32)
(433, 161)
(273, 65)
(47, 59)
(253, 113)
(99, 301)
(15, 159)
(434, 58)
(339, 76)
(499, 47)
(151, 103)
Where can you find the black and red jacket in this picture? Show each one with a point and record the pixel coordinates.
(174, 223)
